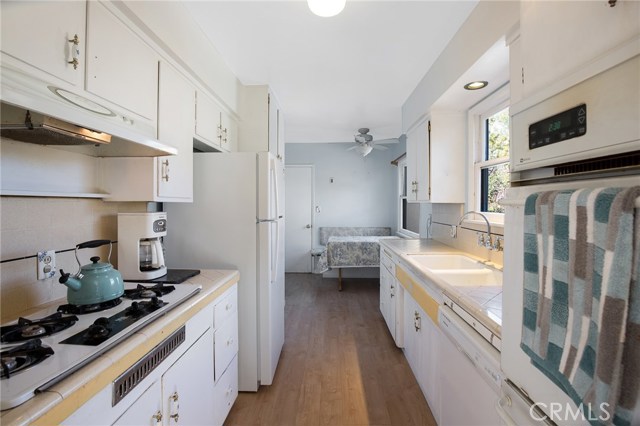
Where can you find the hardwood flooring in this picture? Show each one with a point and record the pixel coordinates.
(339, 365)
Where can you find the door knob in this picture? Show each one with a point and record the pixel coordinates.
(308, 226)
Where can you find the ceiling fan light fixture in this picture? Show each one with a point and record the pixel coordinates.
(326, 8)
(476, 85)
(364, 149)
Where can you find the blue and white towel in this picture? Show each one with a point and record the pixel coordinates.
(581, 319)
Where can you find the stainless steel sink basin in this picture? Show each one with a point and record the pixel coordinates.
(437, 262)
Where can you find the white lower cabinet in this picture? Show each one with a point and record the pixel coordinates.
(421, 340)
(391, 298)
(183, 394)
(196, 384)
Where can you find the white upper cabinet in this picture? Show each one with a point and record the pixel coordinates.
(47, 35)
(167, 178)
(207, 125)
(228, 132)
(215, 129)
(418, 162)
(121, 67)
(560, 38)
(175, 127)
(436, 159)
(262, 122)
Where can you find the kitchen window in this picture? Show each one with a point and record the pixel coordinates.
(489, 128)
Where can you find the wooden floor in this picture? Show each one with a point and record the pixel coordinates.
(339, 365)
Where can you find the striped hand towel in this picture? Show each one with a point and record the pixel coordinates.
(581, 319)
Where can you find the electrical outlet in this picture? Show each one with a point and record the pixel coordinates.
(46, 264)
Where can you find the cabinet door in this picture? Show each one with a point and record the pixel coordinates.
(208, 127)
(391, 304)
(418, 163)
(410, 332)
(281, 135)
(429, 341)
(447, 160)
(146, 410)
(229, 129)
(176, 98)
(38, 33)
(384, 293)
(558, 38)
(120, 66)
(187, 386)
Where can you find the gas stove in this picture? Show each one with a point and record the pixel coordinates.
(44, 348)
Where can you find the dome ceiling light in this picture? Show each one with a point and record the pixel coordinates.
(326, 8)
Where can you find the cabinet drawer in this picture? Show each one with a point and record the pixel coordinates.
(225, 346)
(386, 261)
(225, 392)
(226, 307)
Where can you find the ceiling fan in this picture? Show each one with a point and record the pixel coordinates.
(365, 143)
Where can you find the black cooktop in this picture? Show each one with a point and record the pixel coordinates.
(173, 276)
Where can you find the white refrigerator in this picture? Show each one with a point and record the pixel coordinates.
(236, 221)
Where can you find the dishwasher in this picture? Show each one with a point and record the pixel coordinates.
(470, 374)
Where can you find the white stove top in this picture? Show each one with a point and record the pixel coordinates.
(67, 358)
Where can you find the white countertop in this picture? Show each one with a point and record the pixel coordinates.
(77, 387)
(484, 303)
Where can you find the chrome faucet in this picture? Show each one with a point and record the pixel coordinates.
(481, 240)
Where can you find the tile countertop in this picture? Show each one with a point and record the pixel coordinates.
(484, 303)
(90, 379)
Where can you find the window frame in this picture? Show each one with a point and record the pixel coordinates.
(402, 195)
(476, 117)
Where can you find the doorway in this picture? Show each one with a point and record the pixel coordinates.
(298, 218)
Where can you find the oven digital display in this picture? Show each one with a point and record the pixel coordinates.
(568, 124)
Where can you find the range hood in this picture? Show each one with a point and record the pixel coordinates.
(24, 126)
(37, 112)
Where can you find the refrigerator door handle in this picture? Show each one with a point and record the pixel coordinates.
(276, 195)
(274, 256)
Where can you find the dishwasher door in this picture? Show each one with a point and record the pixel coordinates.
(470, 374)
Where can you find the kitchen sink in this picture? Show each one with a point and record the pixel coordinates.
(471, 277)
(437, 262)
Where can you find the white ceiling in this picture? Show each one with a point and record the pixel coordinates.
(333, 75)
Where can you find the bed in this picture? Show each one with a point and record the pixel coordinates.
(349, 247)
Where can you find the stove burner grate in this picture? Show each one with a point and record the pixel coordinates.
(21, 357)
(89, 309)
(27, 329)
(147, 292)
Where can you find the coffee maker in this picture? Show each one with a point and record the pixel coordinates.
(140, 249)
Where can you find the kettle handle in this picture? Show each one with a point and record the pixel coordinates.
(94, 244)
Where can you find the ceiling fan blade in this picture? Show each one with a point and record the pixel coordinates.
(379, 147)
(353, 147)
(390, 140)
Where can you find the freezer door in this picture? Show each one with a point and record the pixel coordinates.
(271, 298)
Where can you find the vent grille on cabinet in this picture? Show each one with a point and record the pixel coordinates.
(124, 384)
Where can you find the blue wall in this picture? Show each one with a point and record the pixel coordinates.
(364, 190)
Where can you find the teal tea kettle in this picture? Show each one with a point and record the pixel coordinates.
(96, 282)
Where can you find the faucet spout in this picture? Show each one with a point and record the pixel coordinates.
(488, 243)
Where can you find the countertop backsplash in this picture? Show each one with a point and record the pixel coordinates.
(32, 224)
(466, 240)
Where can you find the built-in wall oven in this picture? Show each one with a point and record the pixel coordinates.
(586, 135)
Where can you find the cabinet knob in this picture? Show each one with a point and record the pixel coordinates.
(157, 416)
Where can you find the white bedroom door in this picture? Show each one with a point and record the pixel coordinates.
(298, 218)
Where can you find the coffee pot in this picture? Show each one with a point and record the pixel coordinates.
(95, 282)
(140, 249)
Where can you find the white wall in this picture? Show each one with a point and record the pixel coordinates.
(489, 21)
(364, 190)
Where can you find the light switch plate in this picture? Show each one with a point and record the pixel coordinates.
(46, 264)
